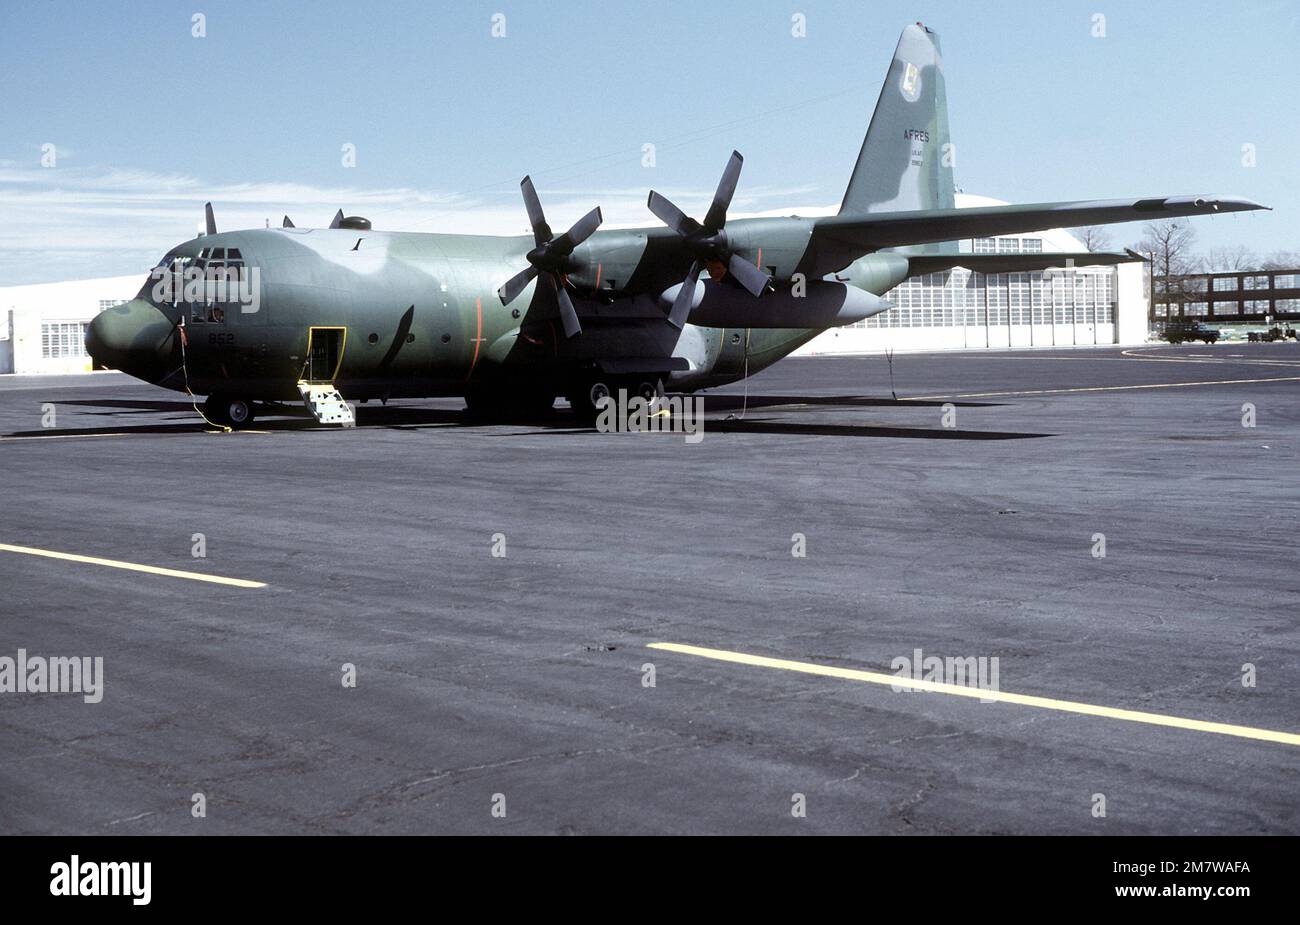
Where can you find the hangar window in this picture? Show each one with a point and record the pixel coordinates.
(62, 339)
(1287, 281)
(1256, 282)
(1225, 283)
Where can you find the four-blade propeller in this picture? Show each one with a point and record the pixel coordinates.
(551, 258)
(708, 242)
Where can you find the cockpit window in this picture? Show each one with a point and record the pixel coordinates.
(200, 285)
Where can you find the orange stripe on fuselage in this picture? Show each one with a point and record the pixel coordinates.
(478, 336)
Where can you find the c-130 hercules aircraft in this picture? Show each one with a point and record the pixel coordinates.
(511, 322)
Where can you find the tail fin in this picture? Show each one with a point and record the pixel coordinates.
(906, 159)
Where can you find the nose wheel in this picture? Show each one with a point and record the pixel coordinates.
(229, 410)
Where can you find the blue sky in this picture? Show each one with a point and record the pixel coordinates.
(148, 121)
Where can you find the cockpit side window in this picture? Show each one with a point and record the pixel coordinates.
(161, 278)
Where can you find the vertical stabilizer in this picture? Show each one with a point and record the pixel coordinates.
(907, 157)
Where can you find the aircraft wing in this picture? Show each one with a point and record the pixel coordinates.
(865, 233)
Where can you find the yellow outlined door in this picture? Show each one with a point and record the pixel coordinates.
(324, 353)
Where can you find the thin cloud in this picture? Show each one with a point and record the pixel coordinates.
(79, 222)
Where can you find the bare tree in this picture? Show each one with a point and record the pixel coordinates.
(1281, 260)
(1229, 259)
(1168, 245)
(1094, 238)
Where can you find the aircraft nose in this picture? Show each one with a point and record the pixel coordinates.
(134, 337)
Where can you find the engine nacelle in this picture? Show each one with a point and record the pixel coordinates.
(820, 304)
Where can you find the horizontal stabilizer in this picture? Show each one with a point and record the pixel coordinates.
(864, 233)
(1016, 263)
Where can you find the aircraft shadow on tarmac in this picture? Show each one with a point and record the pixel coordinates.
(735, 402)
(287, 418)
(862, 430)
(124, 404)
(560, 422)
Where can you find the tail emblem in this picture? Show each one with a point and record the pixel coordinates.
(911, 82)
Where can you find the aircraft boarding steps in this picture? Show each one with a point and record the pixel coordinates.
(326, 404)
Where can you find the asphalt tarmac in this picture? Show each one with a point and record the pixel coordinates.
(518, 693)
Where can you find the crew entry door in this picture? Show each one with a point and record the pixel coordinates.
(324, 354)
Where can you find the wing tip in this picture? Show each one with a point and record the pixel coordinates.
(1216, 203)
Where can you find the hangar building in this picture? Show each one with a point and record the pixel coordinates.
(43, 326)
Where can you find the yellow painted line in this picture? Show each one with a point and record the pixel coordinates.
(1027, 700)
(124, 433)
(1103, 388)
(62, 436)
(132, 566)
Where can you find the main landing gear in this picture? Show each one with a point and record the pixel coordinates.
(585, 397)
(232, 411)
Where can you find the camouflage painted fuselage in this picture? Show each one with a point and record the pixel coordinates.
(422, 318)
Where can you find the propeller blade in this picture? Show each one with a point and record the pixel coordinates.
(685, 296)
(288, 222)
(748, 275)
(717, 215)
(582, 229)
(210, 218)
(568, 314)
(671, 216)
(536, 219)
(516, 284)
(337, 221)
